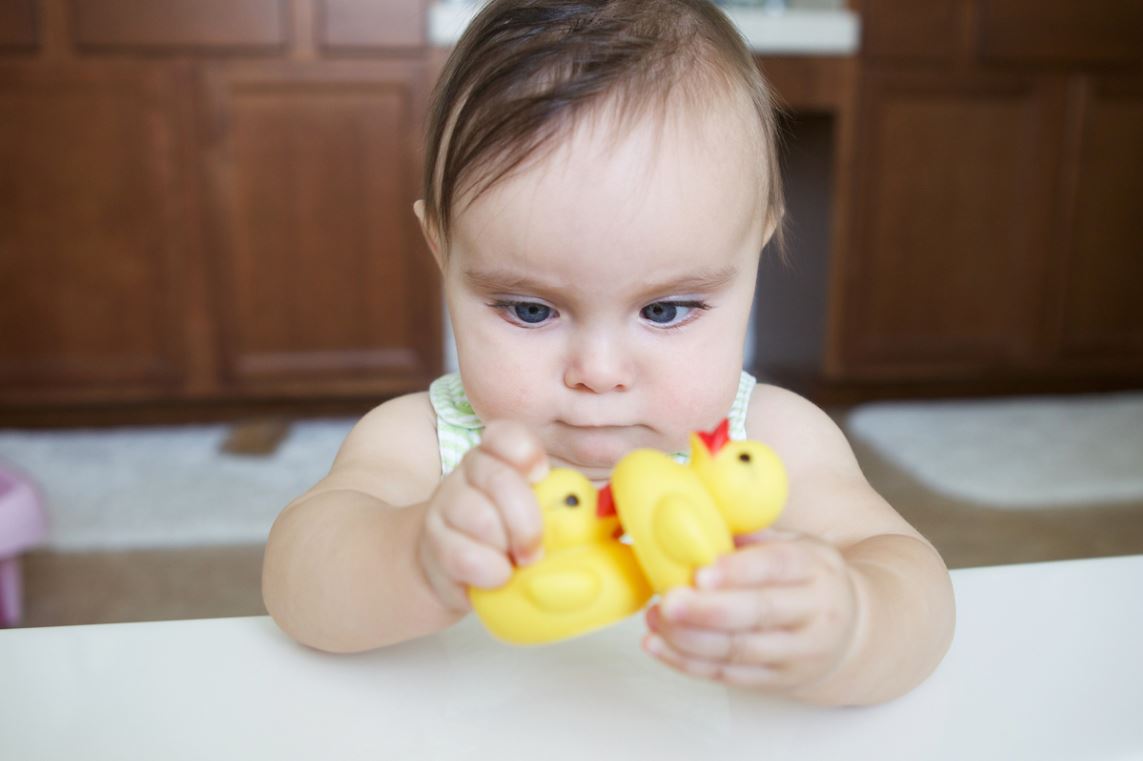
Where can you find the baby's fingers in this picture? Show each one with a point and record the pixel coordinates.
(517, 446)
(476, 517)
(767, 561)
(468, 562)
(739, 609)
(512, 498)
(770, 648)
(747, 675)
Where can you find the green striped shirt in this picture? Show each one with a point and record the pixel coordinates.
(459, 429)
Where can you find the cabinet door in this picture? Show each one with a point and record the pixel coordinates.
(18, 24)
(952, 203)
(933, 30)
(1102, 267)
(323, 283)
(1061, 31)
(90, 257)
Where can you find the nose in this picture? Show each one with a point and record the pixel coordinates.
(598, 363)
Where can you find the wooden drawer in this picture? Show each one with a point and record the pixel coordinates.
(1098, 31)
(17, 24)
(177, 24)
(372, 24)
(932, 30)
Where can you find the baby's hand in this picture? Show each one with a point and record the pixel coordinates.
(779, 614)
(483, 517)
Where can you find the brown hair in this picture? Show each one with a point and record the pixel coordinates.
(525, 69)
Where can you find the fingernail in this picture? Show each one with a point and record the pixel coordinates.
(538, 472)
(528, 557)
(655, 645)
(674, 606)
(706, 578)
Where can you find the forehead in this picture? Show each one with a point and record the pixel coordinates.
(672, 190)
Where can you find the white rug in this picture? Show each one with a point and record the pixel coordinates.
(173, 487)
(166, 487)
(1014, 454)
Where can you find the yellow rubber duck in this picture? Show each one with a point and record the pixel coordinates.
(585, 580)
(683, 517)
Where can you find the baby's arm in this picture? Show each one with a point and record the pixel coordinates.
(381, 549)
(843, 603)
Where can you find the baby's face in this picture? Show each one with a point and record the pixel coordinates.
(602, 294)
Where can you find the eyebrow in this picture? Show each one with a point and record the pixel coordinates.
(506, 280)
(702, 281)
(511, 280)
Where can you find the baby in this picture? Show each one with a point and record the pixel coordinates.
(601, 179)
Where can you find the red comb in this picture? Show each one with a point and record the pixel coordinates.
(605, 508)
(716, 439)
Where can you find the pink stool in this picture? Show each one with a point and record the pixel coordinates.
(23, 525)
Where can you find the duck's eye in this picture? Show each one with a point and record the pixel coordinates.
(744, 457)
(571, 500)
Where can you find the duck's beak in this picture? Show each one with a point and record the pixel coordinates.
(605, 509)
(716, 439)
(605, 505)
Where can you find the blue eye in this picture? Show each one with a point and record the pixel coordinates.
(672, 314)
(531, 312)
(524, 313)
(661, 312)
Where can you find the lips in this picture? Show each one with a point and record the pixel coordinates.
(596, 426)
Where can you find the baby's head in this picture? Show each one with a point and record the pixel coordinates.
(601, 178)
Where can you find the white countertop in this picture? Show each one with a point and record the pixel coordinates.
(791, 32)
(1047, 664)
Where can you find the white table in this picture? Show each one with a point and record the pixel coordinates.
(1047, 664)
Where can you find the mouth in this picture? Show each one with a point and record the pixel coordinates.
(592, 449)
(596, 427)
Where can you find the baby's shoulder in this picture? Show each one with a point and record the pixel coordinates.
(776, 407)
(407, 420)
(396, 441)
(799, 430)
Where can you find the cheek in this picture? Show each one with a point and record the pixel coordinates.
(504, 378)
(694, 402)
(687, 401)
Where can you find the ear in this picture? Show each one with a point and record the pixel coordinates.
(773, 219)
(429, 233)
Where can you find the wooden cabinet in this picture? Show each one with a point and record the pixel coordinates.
(163, 26)
(17, 24)
(946, 262)
(992, 214)
(212, 201)
(92, 255)
(1100, 319)
(1060, 31)
(318, 279)
(364, 25)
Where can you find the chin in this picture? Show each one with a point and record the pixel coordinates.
(594, 448)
